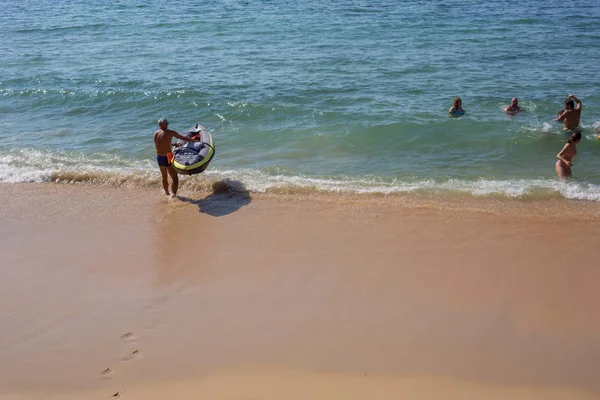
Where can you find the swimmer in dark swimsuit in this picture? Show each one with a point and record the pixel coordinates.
(165, 161)
(456, 110)
(164, 157)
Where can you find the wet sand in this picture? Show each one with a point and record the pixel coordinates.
(123, 292)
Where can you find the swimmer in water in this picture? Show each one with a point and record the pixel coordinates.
(571, 115)
(456, 110)
(514, 107)
(569, 150)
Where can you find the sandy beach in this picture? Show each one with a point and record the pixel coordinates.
(123, 293)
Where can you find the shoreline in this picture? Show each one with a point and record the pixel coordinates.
(231, 294)
(143, 175)
(209, 188)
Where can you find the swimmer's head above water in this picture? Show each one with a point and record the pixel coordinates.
(456, 109)
(513, 107)
(569, 104)
(575, 137)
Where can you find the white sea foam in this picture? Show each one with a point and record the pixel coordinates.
(39, 166)
(546, 127)
(27, 165)
(256, 181)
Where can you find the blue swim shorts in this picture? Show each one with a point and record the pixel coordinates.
(164, 161)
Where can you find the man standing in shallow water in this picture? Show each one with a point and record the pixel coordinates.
(571, 115)
(164, 157)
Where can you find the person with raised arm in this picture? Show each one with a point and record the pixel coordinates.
(571, 114)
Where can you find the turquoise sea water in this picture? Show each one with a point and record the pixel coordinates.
(341, 96)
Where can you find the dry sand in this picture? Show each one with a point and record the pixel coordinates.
(123, 292)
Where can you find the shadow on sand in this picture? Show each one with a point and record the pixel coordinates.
(227, 197)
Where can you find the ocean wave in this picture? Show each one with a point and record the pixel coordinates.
(114, 171)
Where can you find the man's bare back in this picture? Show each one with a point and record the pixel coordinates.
(162, 141)
(571, 115)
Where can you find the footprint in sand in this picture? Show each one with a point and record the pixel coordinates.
(157, 303)
(154, 324)
(106, 373)
(128, 337)
(135, 354)
(117, 395)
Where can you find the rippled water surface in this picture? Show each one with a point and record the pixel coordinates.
(346, 95)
